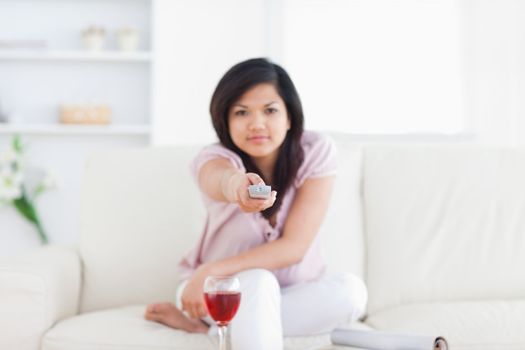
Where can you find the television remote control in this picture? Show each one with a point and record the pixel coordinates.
(259, 191)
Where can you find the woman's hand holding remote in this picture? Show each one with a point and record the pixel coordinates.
(235, 189)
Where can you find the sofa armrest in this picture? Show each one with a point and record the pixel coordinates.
(36, 291)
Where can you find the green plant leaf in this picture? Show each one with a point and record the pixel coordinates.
(24, 204)
(28, 211)
(17, 144)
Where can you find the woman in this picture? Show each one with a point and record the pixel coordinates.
(271, 244)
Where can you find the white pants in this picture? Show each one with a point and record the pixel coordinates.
(267, 312)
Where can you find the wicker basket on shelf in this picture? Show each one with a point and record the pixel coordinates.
(85, 114)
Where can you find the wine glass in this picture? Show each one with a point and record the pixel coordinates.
(223, 296)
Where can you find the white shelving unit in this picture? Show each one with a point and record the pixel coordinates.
(58, 69)
(35, 82)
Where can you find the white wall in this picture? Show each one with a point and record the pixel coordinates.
(380, 66)
(195, 42)
(494, 52)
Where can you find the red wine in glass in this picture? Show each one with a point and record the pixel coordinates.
(222, 305)
(222, 296)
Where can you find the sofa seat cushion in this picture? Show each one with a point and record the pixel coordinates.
(126, 329)
(480, 325)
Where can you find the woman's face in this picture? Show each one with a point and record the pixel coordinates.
(258, 122)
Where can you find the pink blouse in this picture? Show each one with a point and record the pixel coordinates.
(229, 231)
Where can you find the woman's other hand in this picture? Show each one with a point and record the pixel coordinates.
(193, 294)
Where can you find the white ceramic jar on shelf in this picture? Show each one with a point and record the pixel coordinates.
(94, 38)
(127, 39)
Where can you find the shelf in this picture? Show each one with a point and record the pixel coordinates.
(52, 55)
(59, 129)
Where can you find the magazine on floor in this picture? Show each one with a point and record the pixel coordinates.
(380, 340)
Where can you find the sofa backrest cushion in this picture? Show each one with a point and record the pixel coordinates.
(443, 223)
(141, 211)
(342, 233)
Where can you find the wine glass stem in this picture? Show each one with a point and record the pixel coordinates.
(223, 332)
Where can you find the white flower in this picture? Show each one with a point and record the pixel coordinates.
(11, 187)
(11, 175)
(11, 161)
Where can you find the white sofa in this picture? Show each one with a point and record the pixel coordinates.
(437, 232)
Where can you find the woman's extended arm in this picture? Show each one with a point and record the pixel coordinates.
(301, 226)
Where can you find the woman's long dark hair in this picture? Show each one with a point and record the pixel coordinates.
(239, 79)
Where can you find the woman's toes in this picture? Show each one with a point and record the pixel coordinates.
(152, 317)
(151, 311)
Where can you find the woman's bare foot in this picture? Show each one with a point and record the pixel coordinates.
(169, 315)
